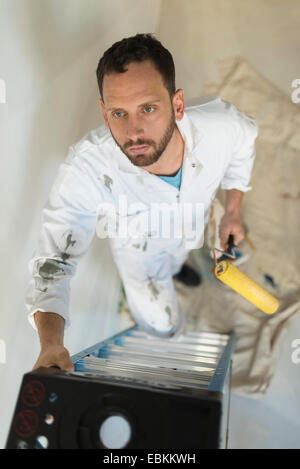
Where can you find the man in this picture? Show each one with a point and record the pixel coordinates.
(151, 152)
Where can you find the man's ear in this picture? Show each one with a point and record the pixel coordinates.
(104, 112)
(179, 104)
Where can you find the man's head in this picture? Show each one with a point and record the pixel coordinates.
(140, 105)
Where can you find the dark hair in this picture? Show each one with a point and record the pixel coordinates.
(137, 48)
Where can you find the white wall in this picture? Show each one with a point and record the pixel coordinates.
(266, 33)
(200, 32)
(49, 53)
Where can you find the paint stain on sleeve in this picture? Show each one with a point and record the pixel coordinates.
(108, 182)
(49, 268)
(70, 241)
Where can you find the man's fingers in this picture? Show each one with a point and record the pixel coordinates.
(224, 241)
(66, 366)
(64, 362)
(56, 356)
(238, 238)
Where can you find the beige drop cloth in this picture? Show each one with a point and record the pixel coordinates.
(271, 214)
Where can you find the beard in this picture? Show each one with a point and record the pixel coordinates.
(157, 147)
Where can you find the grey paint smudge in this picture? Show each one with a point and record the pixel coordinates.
(168, 310)
(107, 181)
(49, 268)
(69, 241)
(136, 246)
(38, 287)
(65, 256)
(153, 289)
(145, 246)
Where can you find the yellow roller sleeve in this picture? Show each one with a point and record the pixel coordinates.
(242, 284)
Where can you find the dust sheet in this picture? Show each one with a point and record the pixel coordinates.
(271, 216)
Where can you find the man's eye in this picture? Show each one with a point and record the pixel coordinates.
(118, 114)
(149, 109)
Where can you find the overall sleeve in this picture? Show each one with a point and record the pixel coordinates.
(67, 227)
(243, 132)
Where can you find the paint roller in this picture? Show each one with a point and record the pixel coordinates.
(229, 274)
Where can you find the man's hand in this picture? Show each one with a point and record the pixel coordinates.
(51, 332)
(231, 224)
(55, 355)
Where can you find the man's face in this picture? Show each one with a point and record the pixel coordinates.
(137, 109)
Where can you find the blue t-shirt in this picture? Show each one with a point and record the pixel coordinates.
(173, 180)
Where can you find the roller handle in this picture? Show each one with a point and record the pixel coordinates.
(231, 244)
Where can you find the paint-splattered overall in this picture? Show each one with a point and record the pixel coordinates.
(98, 190)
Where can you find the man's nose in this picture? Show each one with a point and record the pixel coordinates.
(134, 128)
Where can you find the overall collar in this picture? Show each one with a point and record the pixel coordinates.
(192, 162)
